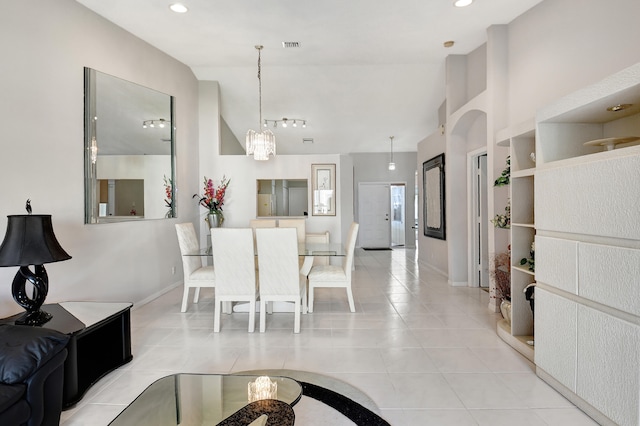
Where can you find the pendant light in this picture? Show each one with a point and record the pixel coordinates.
(260, 144)
(392, 165)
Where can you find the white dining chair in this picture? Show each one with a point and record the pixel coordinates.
(279, 275)
(319, 238)
(298, 224)
(262, 223)
(196, 275)
(234, 257)
(335, 275)
(300, 227)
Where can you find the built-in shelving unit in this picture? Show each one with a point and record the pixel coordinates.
(522, 142)
(588, 249)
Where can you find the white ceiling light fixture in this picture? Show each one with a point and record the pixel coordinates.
(178, 8)
(284, 122)
(160, 122)
(392, 165)
(462, 3)
(260, 144)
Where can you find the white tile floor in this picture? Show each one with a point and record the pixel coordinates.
(425, 352)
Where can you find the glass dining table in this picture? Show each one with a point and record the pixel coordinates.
(307, 250)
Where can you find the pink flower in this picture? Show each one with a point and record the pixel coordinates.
(213, 198)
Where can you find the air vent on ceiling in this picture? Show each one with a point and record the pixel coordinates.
(307, 140)
(290, 44)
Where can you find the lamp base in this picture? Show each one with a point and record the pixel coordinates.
(36, 318)
(40, 282)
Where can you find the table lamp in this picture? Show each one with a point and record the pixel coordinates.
(30, 241)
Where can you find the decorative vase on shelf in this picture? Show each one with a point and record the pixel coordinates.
(505, 310)
(215, 219)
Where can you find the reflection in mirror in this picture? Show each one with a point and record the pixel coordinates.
(129, 151)
(282, 197)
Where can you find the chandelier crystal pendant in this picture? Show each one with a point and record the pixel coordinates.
(260, 144)
(392, 165)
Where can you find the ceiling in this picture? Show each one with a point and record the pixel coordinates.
(365, 70)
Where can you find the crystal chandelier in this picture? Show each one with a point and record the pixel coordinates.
(260, 144)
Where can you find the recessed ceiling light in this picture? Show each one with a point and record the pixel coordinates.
(178, 8)
(462, 3)
(619, 107)
(448, 43)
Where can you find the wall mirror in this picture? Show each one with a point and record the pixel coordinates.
(129, 151)
(433, 197)
(282, 197)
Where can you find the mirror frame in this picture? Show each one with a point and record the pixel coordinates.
(434, 198)
(91, 213)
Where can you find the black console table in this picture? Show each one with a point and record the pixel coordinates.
(100, 342)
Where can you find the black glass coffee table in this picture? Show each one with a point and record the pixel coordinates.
(199, 399)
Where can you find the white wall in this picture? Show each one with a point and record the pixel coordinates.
(373, 167)
(553, 49)
(240, 204)
(240, 201)
(431, 251)
(44, 47)
(560, 46)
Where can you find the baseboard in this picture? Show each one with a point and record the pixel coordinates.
(575, 399)
(155, 295)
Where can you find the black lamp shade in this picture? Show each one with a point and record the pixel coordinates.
(30, 241)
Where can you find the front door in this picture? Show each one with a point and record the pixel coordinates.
(374, 214)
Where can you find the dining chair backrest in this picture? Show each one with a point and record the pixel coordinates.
(298, 224)
(278, 261)
(322, 238)
(350, 246)
(188, 243)
(233, 257)
(262, 223)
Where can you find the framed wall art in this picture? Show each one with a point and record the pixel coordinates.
(433, 197)
(323, 187)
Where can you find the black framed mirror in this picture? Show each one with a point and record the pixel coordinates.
(129, 151)
(434, 197)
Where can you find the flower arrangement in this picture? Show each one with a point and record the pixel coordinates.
(168, 184)
(213, 198)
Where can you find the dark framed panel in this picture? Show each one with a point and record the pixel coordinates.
(433, 197)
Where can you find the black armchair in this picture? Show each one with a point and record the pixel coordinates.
(31, 375)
